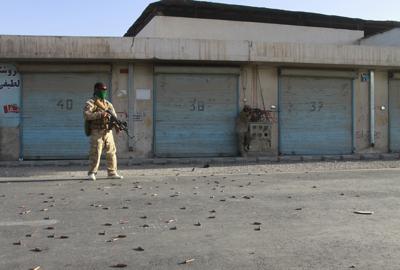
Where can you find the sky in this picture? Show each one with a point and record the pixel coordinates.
(114, 17)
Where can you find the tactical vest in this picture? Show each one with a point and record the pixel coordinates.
(98, 124)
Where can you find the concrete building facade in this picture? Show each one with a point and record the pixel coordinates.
(325, 85)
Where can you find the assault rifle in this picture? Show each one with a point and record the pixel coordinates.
(113, 120)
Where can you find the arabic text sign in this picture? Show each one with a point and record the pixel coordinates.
(10, 91)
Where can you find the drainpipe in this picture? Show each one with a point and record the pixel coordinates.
(131, 109)
(372, 107)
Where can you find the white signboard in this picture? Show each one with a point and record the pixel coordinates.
(10, 92)
(143, 94)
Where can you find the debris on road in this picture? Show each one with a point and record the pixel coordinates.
(25, 212)
(139, 249)
(119, 265)
(363, 212)
(188, 261)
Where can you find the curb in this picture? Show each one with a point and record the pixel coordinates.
(215, 160)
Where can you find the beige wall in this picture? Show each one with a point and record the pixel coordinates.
(179, 27)
(259, 88)
(388, 38)
(362, 117)
(250, 91)
(381, 116)
(361, 125)
(9, 143)
(119, 87)
(141, 145)
(143, 129)
(254, 79)
(51, 49)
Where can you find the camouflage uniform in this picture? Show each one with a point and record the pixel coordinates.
(242, 129)
(100, 137)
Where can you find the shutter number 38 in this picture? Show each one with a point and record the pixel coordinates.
(65, 104)
(197, 105)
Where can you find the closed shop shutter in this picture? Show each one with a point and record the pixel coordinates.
(394, 114)
(315, 115)
(53, 114)
(195, 115)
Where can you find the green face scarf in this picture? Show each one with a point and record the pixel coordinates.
(101, 94)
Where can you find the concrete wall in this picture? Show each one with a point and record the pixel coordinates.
(361, 125)
(139, 110)
(389, 38)
(9, 143)
(362, 117)
(381, 116)
(28, 48)
(258, 88)
(254, 80)
(119, 87)
(178, 27)
(143, 110)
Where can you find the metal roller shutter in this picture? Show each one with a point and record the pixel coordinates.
(195, 115)
(53, 114)
(315, 114)
(394, 114)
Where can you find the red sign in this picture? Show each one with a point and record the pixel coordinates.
(11, 108)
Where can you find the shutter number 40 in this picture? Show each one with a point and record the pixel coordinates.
(65, 104)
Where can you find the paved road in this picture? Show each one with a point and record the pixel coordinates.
(288, 216)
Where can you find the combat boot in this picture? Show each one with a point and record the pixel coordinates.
(115, 176)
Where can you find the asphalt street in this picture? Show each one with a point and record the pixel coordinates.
(290, 216)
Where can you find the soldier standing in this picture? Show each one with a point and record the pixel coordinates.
(101, 135)
(242, 129)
